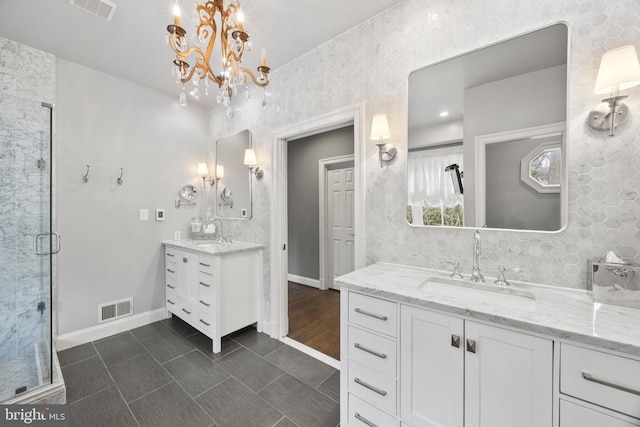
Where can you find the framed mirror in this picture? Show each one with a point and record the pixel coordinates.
(233, 180)
(487, 136)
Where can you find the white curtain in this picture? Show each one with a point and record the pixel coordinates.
(428, 183)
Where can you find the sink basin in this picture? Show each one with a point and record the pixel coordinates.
(479, 293)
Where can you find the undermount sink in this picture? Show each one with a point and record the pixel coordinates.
(479, 292)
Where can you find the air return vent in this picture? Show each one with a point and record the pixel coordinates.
(101, 8)
(115, 310)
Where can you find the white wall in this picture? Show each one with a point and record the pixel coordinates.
(423, 136)
(370, 64)
(107, 253)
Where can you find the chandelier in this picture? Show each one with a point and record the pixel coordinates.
(233, 42)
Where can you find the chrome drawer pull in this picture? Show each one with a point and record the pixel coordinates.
(587, 376)
(364, 420)
(455, 341)
(366, 313)
(471, 346)
(204, 284)
(205, 265)
(170, 270)
(170, 302)
(171, 255)
(188, 312)
(370, 387)
(368, 350)
(169, 286)
(202, 321)
(204, 303)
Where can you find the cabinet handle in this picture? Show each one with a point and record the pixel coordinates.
(170, 302)
(370, 387)
(204, 284)
(185, 260)
(364, 420)
(366, 313)
(170, 270)
(455, 341)
(204, 303)
(202, 321)
(205, 265)
(471, 346)
(188, 312)
(171, 287)
(368, 350)
(171, 255)
(587, 376)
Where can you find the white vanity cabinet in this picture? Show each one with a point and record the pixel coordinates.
(494, 376)
(215, 293)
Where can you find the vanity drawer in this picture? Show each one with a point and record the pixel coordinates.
(174, 302)
(373, 313)
(572, 415)
(601, 378)
(205, 265)
(373, 351)
(187, 312)
(205, 321)
(372, 386)
(363, 414)
(170, 255)
(171, 273)
(205, 283)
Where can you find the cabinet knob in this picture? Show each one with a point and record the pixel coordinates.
(455, 341)
(471, 346)
(185, 260)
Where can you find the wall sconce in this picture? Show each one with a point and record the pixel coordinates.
(219, 171)
(380, 132)
(251, 162)
(619, 70)
(203, 171)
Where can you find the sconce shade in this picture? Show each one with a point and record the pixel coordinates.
(380, 127)
(250, 157)
(619, 70)
(219, 171)
(203, 170)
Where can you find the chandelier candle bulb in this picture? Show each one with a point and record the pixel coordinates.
(263, 57)
(240, 20)
(176, 15)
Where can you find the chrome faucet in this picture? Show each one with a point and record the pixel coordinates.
(476, 276)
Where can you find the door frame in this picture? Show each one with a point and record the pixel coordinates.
(278, 326)
(323, 172)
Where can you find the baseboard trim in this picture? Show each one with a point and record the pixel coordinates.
(104, 330)
(314, 283)
(312, 352)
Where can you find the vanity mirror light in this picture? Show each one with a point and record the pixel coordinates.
(486, 136)
(233, 179)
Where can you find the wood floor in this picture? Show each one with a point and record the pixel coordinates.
(314, 318)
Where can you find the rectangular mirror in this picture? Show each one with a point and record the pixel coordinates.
(233, 180)
(486, 136)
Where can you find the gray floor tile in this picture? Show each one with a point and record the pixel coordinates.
(195, 372)
(76, 354)
(257, 342)
(179, 326)
(203, 343)
(245, 409)
(118, 348)
(302, 404)
(286, 422)
(300, 365)
(169, 406)
(149, 330)
(138, 376)
(331, 386)
(167, 345)
(85, 378)
(253, 371)
(102, 409)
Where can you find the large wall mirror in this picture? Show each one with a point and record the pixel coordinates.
(486, 136)
(233, 180)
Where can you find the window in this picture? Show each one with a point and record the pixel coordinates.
(541, 168)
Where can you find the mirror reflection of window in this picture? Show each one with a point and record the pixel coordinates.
(432, 197)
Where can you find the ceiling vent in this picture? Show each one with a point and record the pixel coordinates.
(101, 8)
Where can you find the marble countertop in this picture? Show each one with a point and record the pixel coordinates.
(561, 313)
(212, 247)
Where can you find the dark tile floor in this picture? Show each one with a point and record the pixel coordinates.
(164, 374)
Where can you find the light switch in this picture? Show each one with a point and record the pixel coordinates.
(144, 214)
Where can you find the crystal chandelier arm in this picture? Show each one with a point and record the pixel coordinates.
(265, 73)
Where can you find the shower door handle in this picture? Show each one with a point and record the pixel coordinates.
(58, 238)
(38, 238)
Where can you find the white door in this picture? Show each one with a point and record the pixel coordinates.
(508, 378)
(340, 221)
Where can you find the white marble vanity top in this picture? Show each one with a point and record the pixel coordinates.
(212, 247)
(558, 312)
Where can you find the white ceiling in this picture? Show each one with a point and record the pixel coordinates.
(132, 46)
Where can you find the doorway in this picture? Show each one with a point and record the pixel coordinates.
(278, 326)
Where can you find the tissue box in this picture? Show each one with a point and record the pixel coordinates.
(617, 284)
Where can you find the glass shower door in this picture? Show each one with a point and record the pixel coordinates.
(26, 246)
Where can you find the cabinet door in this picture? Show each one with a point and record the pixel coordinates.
(187, 264)
(431, 368)
(572, 415)
(508, 378)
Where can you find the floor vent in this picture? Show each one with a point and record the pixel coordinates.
(101, 8)
(115, 310)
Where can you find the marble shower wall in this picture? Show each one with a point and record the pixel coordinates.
(370, 64)
(27, 78)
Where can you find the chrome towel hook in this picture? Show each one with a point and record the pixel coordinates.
(85, 177)
(120, 177)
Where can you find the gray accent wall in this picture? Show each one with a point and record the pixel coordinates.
(303, 195)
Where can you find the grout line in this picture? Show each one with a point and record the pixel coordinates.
(79, 361)
(179, 356)
(149, 392)
(89, 395)
(276, 379)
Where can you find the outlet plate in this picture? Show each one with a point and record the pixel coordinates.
(144, 214)
(176, 235)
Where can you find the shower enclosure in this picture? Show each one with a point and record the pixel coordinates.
(26, 246)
